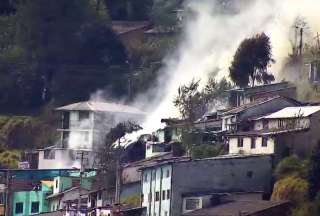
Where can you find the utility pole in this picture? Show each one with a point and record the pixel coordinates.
(7, 201)
(118, 179)
(82, 168)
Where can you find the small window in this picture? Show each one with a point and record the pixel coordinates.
(56, 183)
(240, 142)
(49, 154)
(99, 195)
(142, 197)
(153, 175)
(253, 142)
(145, 177)
(249, 174)
(157, 196)
(163, 195)
(165, 213)
(83, 115)
(168, 194)
(264, 141)
(19, 208)
(192, 204)
(34, 207)
(168, 173)
(280, 123)
(150, 197)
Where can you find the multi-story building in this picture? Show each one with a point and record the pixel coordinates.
(83, 127)
(165, 181)
(292, 130)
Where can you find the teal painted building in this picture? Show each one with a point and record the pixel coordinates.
(31, 202)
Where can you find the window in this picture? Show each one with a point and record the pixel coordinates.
(192, 204)
(56, 183)
(163, 195)
(264, 141)
(142, 197)
(154, 175)
(240, 142)
(280, 123)
(99, 195)
(150, 197)
(168, 173)
(145, 177)
(253, 142)
(83, 115)
(165, 213)
(19, 208)
(34, 207)
(168, 194)
(157, 196)
(49, 154)
(86, 136)
(249, 174)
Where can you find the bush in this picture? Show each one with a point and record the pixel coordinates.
(291, 188)
(206, 151)
(291, 166)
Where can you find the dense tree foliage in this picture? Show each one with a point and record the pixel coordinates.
(251, 61)
(314, 173)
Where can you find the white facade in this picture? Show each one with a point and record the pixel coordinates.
(251, 145)
(156, 190)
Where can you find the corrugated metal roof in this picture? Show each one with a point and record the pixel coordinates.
(293, 112)
(102, 107)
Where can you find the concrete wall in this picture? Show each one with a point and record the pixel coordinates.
(246, 149)
(27, 197)
(161, 183)
(243, 174)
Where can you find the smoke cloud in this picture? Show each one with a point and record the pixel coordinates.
(213, 32)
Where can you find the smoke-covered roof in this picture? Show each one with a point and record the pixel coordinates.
(101, 107)
(293, 112)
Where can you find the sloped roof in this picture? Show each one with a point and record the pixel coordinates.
(264, 88)
(258, 102)
(293, 112)
(102, 107)
(123, 27)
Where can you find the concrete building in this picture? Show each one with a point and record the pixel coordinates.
(33, 201)
(241, 96)
(164, 182)
(292, 130)
(237, 119)
(84, 126)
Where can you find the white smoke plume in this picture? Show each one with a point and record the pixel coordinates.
(212, 35)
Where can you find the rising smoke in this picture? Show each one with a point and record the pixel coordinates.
(212, 33)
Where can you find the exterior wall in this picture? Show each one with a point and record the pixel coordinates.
(161, 183)
(241, 174)
(289, 123)
(61, 184)
(227, 121)
(64, 159)
(247, 149)
(27, 197)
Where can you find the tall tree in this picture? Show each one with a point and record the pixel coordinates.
(251, 61)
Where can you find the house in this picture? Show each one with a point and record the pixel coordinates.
(83, 129)
(241, 96)
(292, 130)
(244, 208)
(32, 201)
(165, 181)
(236, 119)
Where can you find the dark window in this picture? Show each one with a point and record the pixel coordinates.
(150, 197)
(153, 175)
(157, 196)
(192, 204)
(168, 194)
(83, 115)
(253, 142)
(145, 177)
(142, 197)
(99, 195)
(280, 123)
(249, 174)
(49, 154)
(34, 207)
(19, 208)
(240, 142)
(264, 141)
(163, 195)
(56, 183)
(168, 173)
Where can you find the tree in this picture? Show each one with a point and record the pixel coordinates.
(314, 173)
(189, 101)
(251, 61)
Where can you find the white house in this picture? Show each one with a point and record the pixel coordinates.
(84, 126)
(290, 130)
